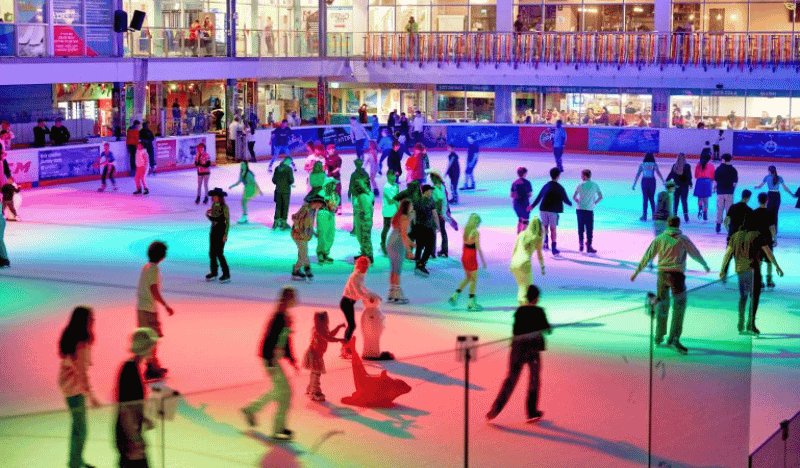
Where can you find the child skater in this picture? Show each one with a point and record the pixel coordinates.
(107, 167)
(142, 160)
(528, 241)
(469, 260)
(8, 190)
(353, 291)
(203, 163)
(385, 146)
(251, 188)
(472, 161)
(220, 218)
(277, 345)
(530, 322)
(302, 230)
(74, 348)
(313, 359)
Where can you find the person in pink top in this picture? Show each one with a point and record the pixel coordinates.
(704, 181)
(353, 291)
(74, 349)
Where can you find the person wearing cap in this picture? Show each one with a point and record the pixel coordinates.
(364, 206)
(302, 231)
(354, 290)
(220, 218)
(283, 178)
(131, 420)
(59, 133)
(326, 221)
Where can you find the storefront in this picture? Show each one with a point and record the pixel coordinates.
(631, 107)
(752, 16)
(570, 16)
(182, 107)
(735, 109)
(277, 101)
(381, 99)
(433, 15)
(168, 25)
(89, 105)
(465, 103)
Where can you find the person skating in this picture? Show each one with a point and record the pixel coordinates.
(587, 195)
(552, 197)
(472, 161)
(521, 267)
(131, 420)
(302, 231)
(359, 136)
(316, 153)
(313, 359)
(9, 189)
(717, 144)
(148, 294)
(333, 169)
(326, 222)
(75, 351)
(681, 173)
(453, 172)
(774, 183)
(442, 211)
(364, 206)
(671, 247)
(220, 218)
(389, 206)
(277, 345)
(648, 169)
(737, 214)
(147, 138)
(530, 324)
(394, 161)
(397, 246)
(142, 165)
(521, 190)
(747, 247)
(280, 139)
(725, 179)
(371, 160)
(354, 290)
(283, 178)
(469, 260)
(203, 163)
(764, 221)
(704, 180)
(251, 188)
(107, 167)
(317, 179)
(559, 140)
(426, 223)
(385, 147)
(359, 174)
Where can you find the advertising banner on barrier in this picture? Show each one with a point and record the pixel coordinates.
(187, 150)
(174, 153)
(623, 140)
(69, 161)
(541, 138)
(766, 144)
(165, 153)
(484, 136)
(24, 165)
(435, 136)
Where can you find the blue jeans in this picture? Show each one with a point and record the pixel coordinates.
(558, 152)
(77, 408)
(277, 151)
(360, 148)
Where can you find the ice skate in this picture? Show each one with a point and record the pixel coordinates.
(249, 417)
(308, 274)
(535, 417)
(146, 192)
(473, 305)
(243, 220)
(392, 296)
(453, 301)
(590, 250)
(205, 200)
(225, 279)
(400, 298)
(211, 277)
(318, 396)
(297, 275)
(102, 188)
(770, 283)
(555, 251)
(197, 200)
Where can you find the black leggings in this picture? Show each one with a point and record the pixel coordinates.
(108, 172)
(387, 223)
(251, 145)
(648, 195)
(216, 252)
(348, 309)
(682, 196)
(774, 204)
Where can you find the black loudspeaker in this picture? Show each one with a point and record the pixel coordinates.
(137, 20)
(120, 21)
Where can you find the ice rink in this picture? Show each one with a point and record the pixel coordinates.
(710, 408)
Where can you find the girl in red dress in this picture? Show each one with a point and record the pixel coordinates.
(469, 259)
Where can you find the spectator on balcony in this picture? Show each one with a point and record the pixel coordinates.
(194, 36)
(59, 134)
(207, 34)
(766, 120)
(412, 28)
(268, 38)
(519, 25)
(39, 132)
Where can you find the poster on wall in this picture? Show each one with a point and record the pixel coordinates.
(435, 136)
(541, 138)
(766, 144)
(73, 161)
(485, 137)
(187, 150)
(24, 165)
(31, 32)
(623, 140)
(7, 41)
(99, 33)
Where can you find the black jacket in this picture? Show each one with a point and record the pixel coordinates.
(274, 329)
(684, 179)
(39, 136)
(553, 196)
(530, 321)
(59, 135)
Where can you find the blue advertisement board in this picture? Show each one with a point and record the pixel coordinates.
(339, 136)
(623, 140)
(766, 144)
(68, 161)
(484, 136)
(8, 45)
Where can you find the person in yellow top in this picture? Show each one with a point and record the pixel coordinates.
(302, 230)
(220, 217)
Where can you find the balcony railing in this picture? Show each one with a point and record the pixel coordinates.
(618, 49)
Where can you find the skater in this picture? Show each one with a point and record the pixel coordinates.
(220, 218)
(250, 137)
(717, 143)
(147, 138)
(316, 179)
(131, 420)
(453, 172)
(530, 323)
(74, 349)
(552, 196)
(704, 180)
(442, 211)
(664, 208)
(359, 174)
(354, 290)
(747, 247)
(4, 260)
(283, 178)
(107, 167)
(364, 206)
(587, 195)
(374, 129)
(394, 162)
(681, 173)
(417, 127)
(141, 170)
(302, 231)
(333, 169)
(251, 188)
(725, 179)
(472, 161)
(671, 247)
(277, 345)
(559, 140)
(521, 191)
(235, 132)
(5, 173)
(280, 139)
(9, 189)
(648, 170)
(774, 183)
(372, 162)
(397, 246)
(528, 241)
(385, 147)
(738, 213)
(469, 260)
(372, 325)
(359, 137)
(314, 360)
(765, 222)
(389, 206)
(426, 223)
(326, 222)
(131, 141)
(203, 163)
(148, 294)
(315, 153)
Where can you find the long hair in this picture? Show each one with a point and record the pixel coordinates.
(245, 168)
(649, 158)
(77, 331)
(704, 159)
(680, 164)
(534, 230)
(774, 172)
(472, 225)
(402, 210)
(321, 321)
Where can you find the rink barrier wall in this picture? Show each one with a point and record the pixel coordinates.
(74, 163)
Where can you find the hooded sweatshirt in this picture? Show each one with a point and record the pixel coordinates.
(671, 247)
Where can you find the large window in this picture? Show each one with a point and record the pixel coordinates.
(585, 15)
(433, 15)
(735, 110)
(733, 16)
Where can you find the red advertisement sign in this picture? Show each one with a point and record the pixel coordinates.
(540, 138)
(166, 153)
(67, 42)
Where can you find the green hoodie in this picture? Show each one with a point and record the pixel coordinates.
(671, 247)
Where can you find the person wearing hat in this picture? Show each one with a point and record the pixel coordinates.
(59, 133)
(363, 209)
(354, 290)
(283, 178)
(220, 218)
(302, 230)
(664, 207)
(440, 199)
(131, 420)
(326, 221)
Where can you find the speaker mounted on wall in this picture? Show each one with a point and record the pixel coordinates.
(120, 21)
(137, 20)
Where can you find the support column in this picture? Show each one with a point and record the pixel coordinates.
(660, 117)
(231, 18)
(139, 89)
(322, 100)
(118, 109)
(505, 16)
(322, 28)
(502, 104)
(360, 25)
(662, 16)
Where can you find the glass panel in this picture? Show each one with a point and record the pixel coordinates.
(795, 114)
(562, 18)
(382, 2)
(602, 18)
(721, 17)
(686, 16)
(768, 113)
(637, 109)
(482, 18)
(449, 18)
(525, 107)
(639, 17)
(604, 107)
(381, 19)
(684, 108)
(480, 105)
(451, 106)
(725, 112)
(421, 15)
(773, 17)
(531, 17)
